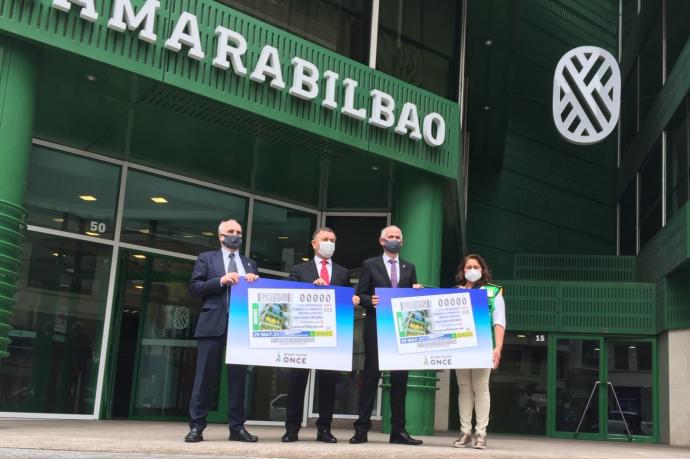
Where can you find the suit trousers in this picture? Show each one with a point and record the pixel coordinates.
(295, 406)
(209, 358)
(371, 376)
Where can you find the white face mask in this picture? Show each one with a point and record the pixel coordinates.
(326, 249)
(473, 275)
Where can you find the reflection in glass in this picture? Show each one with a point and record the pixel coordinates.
(518, 386)
(342, 26)
(154, 300)
(71, 193)
(650, 195)
(176, 216)
(357, 240)
(630, 372)
(418, 43)
(57, 324)
(677, 168)
(266, 393)
(577, 371)
(281, 236)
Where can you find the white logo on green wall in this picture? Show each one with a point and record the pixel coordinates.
(231, 47)
(586, 95)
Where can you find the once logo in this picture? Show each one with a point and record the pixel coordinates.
(586, 95)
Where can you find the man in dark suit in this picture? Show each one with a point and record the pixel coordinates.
(214, 274)
(319, 271)
(387, 271)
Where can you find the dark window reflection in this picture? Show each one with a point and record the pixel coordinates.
(650, 195)
(518, 386)
(57, 324)
(176, 216)
(281, 236)
(651, 56)
(630, 373)
(342, 26)
(677, 148)
(677, 30)
(577, 371)
(71, 193)
(628, 220)
(419, 43)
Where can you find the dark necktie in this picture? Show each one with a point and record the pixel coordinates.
(394, 274)
(232, 265)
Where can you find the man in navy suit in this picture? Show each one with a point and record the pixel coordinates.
(387, 271)
(319, 271)
(214, 274)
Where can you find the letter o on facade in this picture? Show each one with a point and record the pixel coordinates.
(434, 122)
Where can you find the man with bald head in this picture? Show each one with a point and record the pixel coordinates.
(384, 271)
(214, 274)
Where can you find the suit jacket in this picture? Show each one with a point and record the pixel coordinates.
(205, 284)
(374, 274)
(307, 272)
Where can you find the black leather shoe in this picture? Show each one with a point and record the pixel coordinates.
(289, 437)
(243, 435)
(359, 437)
(403, 438)
(326, 436)
(194, 435)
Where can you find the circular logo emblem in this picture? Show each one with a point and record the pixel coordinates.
(181, 318)
(586, 95)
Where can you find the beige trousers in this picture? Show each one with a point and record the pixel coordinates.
(474, 394)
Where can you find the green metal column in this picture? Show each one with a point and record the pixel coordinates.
(418, 204)
(17, 94)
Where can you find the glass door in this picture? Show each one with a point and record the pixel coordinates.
(631, 395)
(576, 388)
(603, 388)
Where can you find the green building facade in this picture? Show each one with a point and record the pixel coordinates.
(131, 128)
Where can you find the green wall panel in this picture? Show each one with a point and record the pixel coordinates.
(581, 307)
(668, 250)
(676, 300)
(575, 268)
(39, 22)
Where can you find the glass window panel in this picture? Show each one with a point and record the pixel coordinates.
(373, 181)
(57, 326)
(678, 153)
(577, 370)
(281, 236)
(630, 372)
(357, 240)
(651, 61)
(266, 393)
(176, 216)
(629, 108)
(518, 386)
(628, 221)
(154, 291)
(71, 193)
(650, 195)
(419, 43)
(677, 30)
(342, 26)
(628, 17)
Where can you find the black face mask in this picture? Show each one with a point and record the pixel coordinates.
(232, 241)
(391, 245)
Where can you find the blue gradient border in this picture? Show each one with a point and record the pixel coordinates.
(480, 356)
(333, 358)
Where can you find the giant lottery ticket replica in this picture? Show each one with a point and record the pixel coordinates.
(290, 324)
(426, 329)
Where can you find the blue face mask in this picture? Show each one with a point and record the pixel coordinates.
(232, 241)
(392, 245)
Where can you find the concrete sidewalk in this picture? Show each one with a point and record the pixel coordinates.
(131, 439)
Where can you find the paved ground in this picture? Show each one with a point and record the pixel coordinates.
(164, 440)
